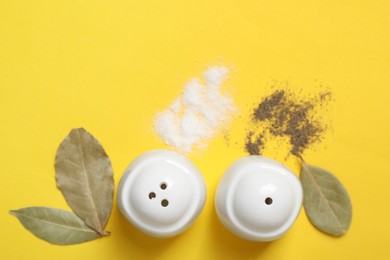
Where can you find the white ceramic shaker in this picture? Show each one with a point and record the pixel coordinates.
(161, 193)
(258, 198)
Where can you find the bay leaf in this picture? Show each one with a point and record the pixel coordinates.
(55, 226)
(84, 176)
(326, 201)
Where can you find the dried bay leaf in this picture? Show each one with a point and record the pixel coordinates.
(326, 201)
(54, 225)
(84, 176)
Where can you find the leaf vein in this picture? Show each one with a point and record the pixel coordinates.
(54, 223)
(88, 186)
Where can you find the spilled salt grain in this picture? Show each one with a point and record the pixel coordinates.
(198, 114)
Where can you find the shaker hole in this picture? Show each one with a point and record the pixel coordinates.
(163, 186)
(268, 201)
(164, 203)
(152, 195)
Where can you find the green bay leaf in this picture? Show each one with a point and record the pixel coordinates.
(84, 176)
(326, 201)
(55, 226)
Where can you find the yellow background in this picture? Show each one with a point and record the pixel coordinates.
(109, 66)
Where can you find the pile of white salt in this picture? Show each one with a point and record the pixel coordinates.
(198, 114)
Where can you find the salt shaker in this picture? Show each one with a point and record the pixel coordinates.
(161, 193)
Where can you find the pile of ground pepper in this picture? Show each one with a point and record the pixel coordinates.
(283, 114)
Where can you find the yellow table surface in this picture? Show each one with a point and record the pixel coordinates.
(109, 66)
